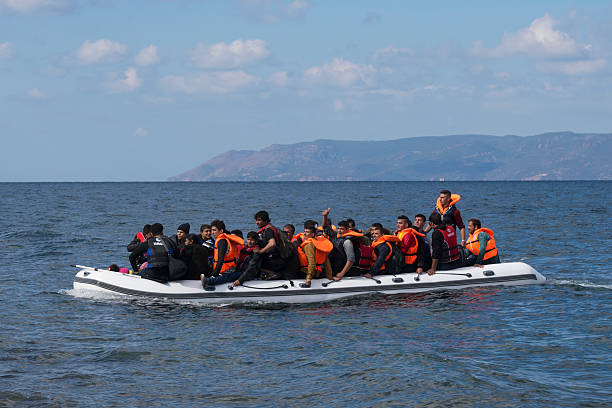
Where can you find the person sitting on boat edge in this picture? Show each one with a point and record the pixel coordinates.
(225, 256)
(408, 244)
(158, 250)
(206, 236)
(386, 255)
(445, 254)
(247, 262)
(481, 245)
(195, 257)
(313, 253)
(139, 238)
(445, 206)
(349, 256)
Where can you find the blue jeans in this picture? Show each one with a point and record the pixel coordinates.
(224, 278)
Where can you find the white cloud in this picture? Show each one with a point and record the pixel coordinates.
(129, 81)
(341, 72)
(235, 54)
(279, 78)
(147, 56)
(102, 50)
(34, 6)
(36, 94)
(338, 105)
(140, 132)
(220, 82)
(272, 11)
(540, 39)
(583, 67)
(297, 8)
(6, 50)
(392, 53)
(394, 93)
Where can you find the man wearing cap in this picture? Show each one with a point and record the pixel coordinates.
(178, 240)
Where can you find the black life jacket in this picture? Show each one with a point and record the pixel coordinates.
(450, 252)
(393, 262)
(363, 254)
(448, 217)
(157, 255)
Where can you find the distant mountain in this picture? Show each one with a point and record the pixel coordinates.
(549, 156)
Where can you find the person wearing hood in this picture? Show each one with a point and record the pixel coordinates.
(178, 240)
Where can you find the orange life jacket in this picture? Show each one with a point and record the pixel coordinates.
(298, 237)
(454, 200)
(231, 255)
(410, 253)
(474, 246)
(385, 239)
(323, 247)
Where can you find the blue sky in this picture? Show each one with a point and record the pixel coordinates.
(109, 90)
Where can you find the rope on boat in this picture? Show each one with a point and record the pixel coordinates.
(283, 286)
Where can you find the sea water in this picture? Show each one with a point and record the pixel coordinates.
(539, 346)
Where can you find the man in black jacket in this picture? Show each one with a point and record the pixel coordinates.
(157, 250)
(137, 240)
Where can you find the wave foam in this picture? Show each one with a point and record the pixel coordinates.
(584, 284)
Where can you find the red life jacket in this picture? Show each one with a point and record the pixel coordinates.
(450, 252)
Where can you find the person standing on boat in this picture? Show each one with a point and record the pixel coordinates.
(481, 245)
(386, 255)
(313, 254)
(227, 249)
(445, 254)
(445, 206)
(138, 239)
(157, 249)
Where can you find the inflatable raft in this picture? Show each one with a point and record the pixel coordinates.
(293, 291)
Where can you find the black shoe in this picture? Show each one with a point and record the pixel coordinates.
(204, 282)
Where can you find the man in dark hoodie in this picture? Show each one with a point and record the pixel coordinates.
(195, 257)
(181, 233)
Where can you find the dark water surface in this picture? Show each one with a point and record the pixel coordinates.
(538, 346)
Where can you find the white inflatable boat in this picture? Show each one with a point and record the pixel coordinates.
(292, 291)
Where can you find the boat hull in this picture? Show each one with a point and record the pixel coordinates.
(321, 290)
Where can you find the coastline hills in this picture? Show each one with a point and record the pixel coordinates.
(547, 156)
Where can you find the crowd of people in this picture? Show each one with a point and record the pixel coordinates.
(217, 255)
